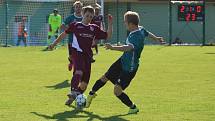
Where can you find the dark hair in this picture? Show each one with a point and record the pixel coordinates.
(89, 9)
(55, 10)
(132, 17)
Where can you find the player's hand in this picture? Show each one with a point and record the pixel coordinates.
(70, 66)
(108, 46)
(110, 19)
(161, 40)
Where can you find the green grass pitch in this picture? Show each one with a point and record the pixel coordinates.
(172, 84)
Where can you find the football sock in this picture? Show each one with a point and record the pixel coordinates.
(126, 100)
(99, 84)
(75, 82)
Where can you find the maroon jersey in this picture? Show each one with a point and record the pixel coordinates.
(97, 20)
(83, 36)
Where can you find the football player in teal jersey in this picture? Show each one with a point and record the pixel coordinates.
(124, 69)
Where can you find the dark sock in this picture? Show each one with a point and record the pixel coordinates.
(99, 84)
(133, 106)
(91, 93)
(126, 100)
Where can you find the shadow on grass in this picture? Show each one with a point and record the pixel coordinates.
(61, 85)
(210, 53)
(67, 115)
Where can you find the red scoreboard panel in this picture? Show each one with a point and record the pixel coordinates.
(191, 12)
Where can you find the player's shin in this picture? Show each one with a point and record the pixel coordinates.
(125, 99)
(99, 84)
(74, 89)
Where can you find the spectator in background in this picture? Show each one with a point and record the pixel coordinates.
(22, 33)
(98, 20)
(75, 17)
(54, 25)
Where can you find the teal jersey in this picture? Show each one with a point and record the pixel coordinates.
(70, 19)
(130, 59)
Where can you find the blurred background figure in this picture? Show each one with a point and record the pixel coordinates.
(22, 33)
(75, 17)
(54, 25)
(98, 20)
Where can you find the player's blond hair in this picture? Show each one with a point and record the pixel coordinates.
(132, 17)
(77, 2)
(88, 8)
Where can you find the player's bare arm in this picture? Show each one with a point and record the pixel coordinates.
(122, 48)
(110, 27)
(154, 37)
(59, 39)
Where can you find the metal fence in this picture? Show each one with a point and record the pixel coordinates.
(154, 17)
(36, 14)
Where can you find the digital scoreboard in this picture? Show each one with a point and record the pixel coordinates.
(192, 12)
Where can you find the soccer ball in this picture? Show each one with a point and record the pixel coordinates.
(80, 101)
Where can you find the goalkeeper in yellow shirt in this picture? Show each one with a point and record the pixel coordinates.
(54, 25)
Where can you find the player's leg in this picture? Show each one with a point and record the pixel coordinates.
(121, 84)
(77, 76)
(18, 41)
(74, 87)
(70, 65)
(86, 75)
(56, 34)
(49, 38)
(25, 40)
(93, 46)
(81, 76)
(96, 48)
(112, 74)
(92, 94)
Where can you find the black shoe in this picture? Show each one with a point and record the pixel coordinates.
(93, 60)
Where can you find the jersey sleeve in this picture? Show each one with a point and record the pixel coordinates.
(137, 40)
(100, 34)
(71, 28)
(146, 33)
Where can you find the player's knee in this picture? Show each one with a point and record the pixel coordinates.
(104, 79)
(117, 90)
(83, 86)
